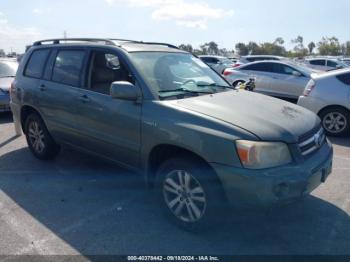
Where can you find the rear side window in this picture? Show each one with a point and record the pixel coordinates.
(262, 67)
(36, 63)
(68, 67)
(318, 62)
(345, 79)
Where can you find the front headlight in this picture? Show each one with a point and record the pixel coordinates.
(260, 155)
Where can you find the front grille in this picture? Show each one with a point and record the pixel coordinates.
(312, 141)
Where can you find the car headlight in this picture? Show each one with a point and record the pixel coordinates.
(260, 155)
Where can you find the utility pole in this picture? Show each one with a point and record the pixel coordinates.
(65, 34)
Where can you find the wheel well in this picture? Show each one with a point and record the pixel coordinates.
(333, 107)
(25, 112)
(161, 153)
(238, 81)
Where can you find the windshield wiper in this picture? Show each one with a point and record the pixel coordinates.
(214, 85)
(187, 91)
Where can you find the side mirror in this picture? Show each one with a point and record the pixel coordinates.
(125, 91)
(296, 73)
(338, 67)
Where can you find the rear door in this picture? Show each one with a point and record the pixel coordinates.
(59, 90)
(109, 127)
(318, 64)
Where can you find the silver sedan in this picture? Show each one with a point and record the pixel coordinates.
(274, 78)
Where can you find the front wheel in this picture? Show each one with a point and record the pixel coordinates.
(38, 138)
(336, 121)
(190, 193)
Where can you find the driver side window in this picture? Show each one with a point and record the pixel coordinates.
(106, 68)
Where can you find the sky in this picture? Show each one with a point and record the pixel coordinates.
(195, 22)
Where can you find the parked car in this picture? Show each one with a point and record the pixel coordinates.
(164, 113)
(346, 60)
(274, 78)
(218, 63)
(325, 64)
(8, 68)
(255, 58)
(328, 95)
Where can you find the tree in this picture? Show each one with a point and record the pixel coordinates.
(279, 41)
(329, 46)
(2, 53)
(346, 48)
(253, 48)
(242, 49)
(299, 48)
(210, 48)
(187, 47)
(311, 46)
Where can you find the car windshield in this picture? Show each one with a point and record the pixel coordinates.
(174, 75)
(8, 68)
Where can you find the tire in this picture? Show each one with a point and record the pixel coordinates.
(193, 212)
(237, 83)
(39, 139)
(336, 121)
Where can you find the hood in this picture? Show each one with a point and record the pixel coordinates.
(5, 83)
(268, 118)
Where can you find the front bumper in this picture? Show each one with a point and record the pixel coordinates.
(4, 103)
(252, 189)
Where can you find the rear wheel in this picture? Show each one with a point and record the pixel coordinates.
(336, 121)
(190, 193)
(38, 138)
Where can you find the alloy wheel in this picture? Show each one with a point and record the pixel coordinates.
(184, 196)
(36, 137)
(335, 122)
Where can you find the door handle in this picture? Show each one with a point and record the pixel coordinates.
(84, 99)
(42, 87)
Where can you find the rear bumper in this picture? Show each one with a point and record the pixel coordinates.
(313, 104)
(261, 189)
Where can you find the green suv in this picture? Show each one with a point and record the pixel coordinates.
(164, 113)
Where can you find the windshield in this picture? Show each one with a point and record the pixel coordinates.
(173, 75)
(8, 68)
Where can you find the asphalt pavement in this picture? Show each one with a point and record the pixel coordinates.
(77, 204)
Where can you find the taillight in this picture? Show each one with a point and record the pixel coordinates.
(228, 72)
(237, 65)
(310, 86)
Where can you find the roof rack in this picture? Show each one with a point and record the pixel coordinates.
(113, 42)
(146, 43)
(57, 41)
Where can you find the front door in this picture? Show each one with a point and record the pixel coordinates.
(109, 127)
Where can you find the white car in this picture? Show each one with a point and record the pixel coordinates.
(274, 78)
(328, 95)
(325, 64)
(218, 63)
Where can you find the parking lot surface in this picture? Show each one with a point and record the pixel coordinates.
(80, 205)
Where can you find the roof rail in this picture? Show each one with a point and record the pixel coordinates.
(146, 43)
(114, 42)
(57, 41)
